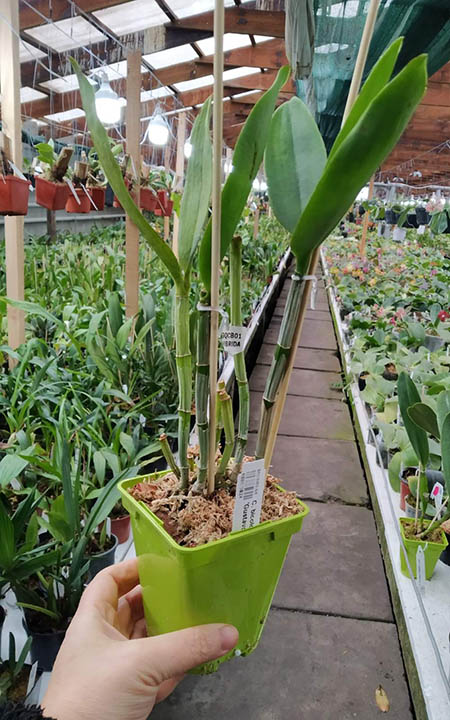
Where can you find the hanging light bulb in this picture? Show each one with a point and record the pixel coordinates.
(263, 186)
(158, 129)
(107, 103)
(188, 148)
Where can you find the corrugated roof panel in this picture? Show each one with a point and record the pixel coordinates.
(132, 16)
(183, 8)
(230, 41)
(29, 52)
(28, 94)
(194, 84)
(67, 34)
(173, 56)
(66, 115)
(158, 92)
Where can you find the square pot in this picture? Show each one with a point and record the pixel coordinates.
(14, 194)
(98, 196)
(149, 200)
(50, 195)
(432, 551)
(84, 206)
(231, 580)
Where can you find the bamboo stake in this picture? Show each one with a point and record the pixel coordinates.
(362, 245)
(12, 132)
(219, 22)
(133, 150)
(179, 170)
(352, 95)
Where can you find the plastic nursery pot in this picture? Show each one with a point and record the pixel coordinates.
(231, 580)
(100, 561)
(14, 194)
(445, 555)
(164, 205)
(422, 216)
(432, 551)
(149, 200)
(410, 508)
(98, 197)
(84, 206)
(45, 647)
(50, 195)
(404, 491)
(120, 527)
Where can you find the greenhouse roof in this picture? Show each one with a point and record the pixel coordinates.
(175, 37)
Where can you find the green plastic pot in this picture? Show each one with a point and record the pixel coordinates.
(432, 551)
(226, 581)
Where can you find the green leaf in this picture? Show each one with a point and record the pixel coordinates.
(124, 333)
(127, 443)
(100, 466)
(115, 179)
(7, 545)
(294, 160)
(374, 136)
(424, 417)
(115, 313)
(197, 188)
(445, 449)
(407, 396)
(247, 158)
(376, 80)
(443, 407)
(13, 464)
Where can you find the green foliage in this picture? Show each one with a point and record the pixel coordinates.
(408, 396)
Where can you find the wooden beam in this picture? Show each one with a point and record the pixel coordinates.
(12, 132)
(56, 10)
(133, 150)
(238, 20)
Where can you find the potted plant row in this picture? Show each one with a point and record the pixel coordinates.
(194, 567)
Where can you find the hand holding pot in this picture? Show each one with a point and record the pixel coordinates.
(108, 667)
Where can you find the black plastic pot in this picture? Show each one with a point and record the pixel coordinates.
(433, 342)
(391, 217)
(102, 560)
(411, 220)
(445, 556)
(2, 621)
(423, 218)
(45, 647)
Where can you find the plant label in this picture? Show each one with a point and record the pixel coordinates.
(420, 569)
(108, 526)
(421, 229)
(437, 494)
(72, 190)
(233, 338)
(249, 495)
(15, 484)
(32, 677)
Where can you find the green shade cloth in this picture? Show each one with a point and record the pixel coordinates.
(425, 24)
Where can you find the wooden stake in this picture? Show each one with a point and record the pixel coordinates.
(256, 223)
(12, 132)
(167, 167)
(219, 21)
(51, 225)
(133, 150)
(362, 244)
(352, 95)
(179, 170)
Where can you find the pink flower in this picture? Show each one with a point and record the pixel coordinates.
(443, 315)
(393, 321)
(434, 271)
(400, 314)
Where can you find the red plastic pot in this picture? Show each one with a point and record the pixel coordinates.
(98, 197)
(120, 527)
(164, 205)
(149, 200)
(83, 207)
(50, 195)
(14, 194)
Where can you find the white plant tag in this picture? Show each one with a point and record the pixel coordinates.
(249, 495)
(437, 494)
(18, 172)
(420, 568)
(72, 190)
(108, 526)
(15, 484)
(421, 229)
(233, 338)
(32, 677)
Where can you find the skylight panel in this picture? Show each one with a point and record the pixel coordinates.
(158, 92)
(193, 84)
(240, 72)
(29, 52)
(67, 34)
(28, 94)
(230, 42)
(62, 84)
(66, 115)
(173, 56)
(184, 8)
(132, 16)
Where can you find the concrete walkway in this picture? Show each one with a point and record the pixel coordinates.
(330, 638)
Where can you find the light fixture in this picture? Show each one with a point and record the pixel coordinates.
(107, 103)
(256, 185)
(158, 129)
(188, 148)
(263, 186)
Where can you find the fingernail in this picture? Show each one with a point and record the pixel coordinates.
(229, 636)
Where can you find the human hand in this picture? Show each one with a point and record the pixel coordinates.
(107, 667)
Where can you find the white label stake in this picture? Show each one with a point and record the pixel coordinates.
(32, 677)
(249, 495)
(233, 338)
(437, 494)
(420, 568)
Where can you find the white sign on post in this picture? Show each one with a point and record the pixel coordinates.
(249, 495)
(420, 568)
(233, 338)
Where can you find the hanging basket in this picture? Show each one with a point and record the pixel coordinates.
(98, 195)
(84, 206)
(51, 195)
(14, 194)
(231, 580)
(149, 200)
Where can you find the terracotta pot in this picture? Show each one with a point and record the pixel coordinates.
(13, 195)
(120, 527)
(50, 195)
(164, 206)
(85, 204)
(98, 196)
(149, 200)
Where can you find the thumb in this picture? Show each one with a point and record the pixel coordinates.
(165, 656)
